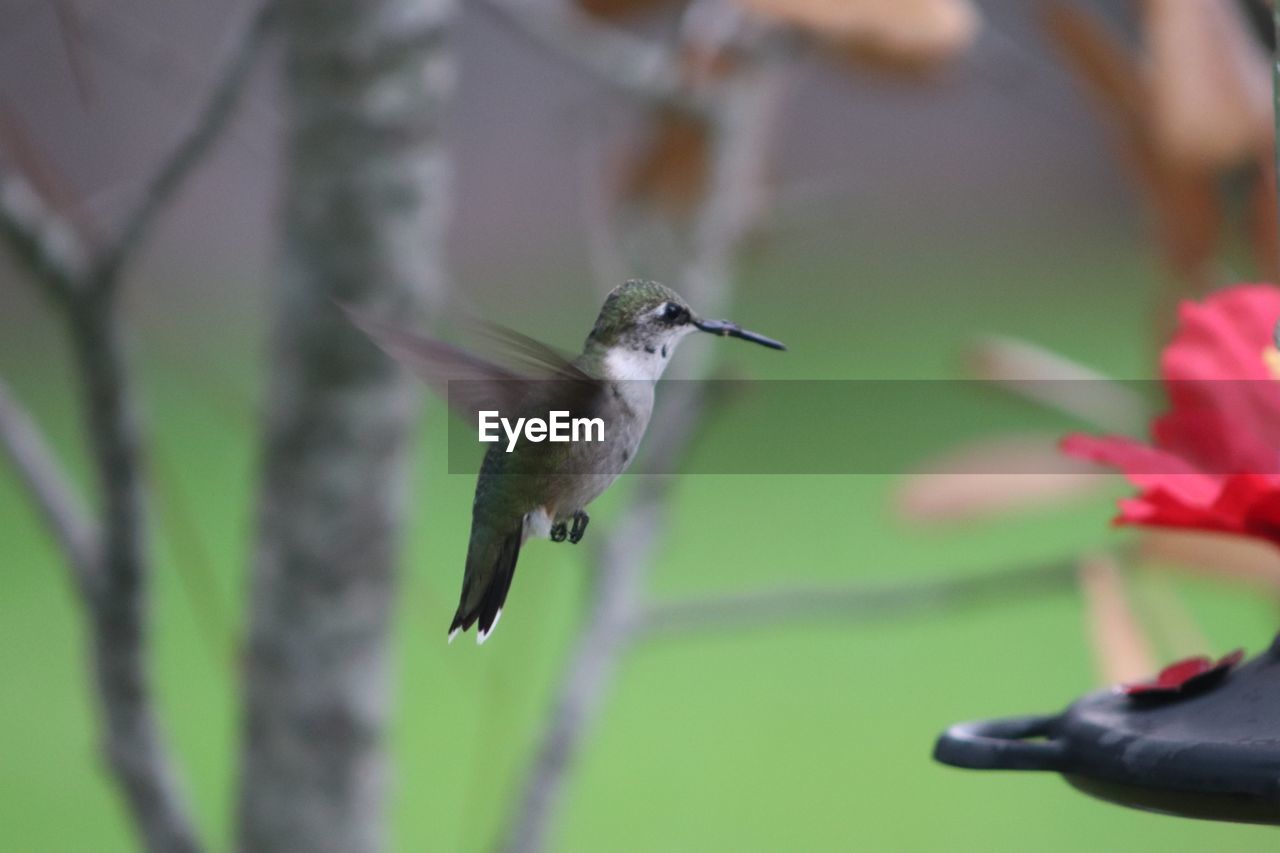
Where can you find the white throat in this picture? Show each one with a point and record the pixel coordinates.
(626, 364)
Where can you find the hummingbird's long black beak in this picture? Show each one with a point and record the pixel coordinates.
(732, 330)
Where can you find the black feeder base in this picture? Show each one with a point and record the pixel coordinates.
(1211, 751)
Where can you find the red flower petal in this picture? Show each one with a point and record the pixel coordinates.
(1225, 404)
(1215, 463)
(1145, 466)
(1162, 508)
(1262, 519)
(1184, 677)
(1176, 674)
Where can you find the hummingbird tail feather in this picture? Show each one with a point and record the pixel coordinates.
(484, 589)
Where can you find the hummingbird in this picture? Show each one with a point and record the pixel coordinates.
(540, 489)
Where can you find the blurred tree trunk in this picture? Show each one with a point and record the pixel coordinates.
(363, 215)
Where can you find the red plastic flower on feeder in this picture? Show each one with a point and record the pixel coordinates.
(1184, 677)
(1214, 459)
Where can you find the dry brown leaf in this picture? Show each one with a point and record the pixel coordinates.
(1264, 219)
(614, 10)
(1181, 194)
(1114, 81)
(993, 477)
(1122, 651)
(1190, 218)
(909, 33)
(670, 172)
(1210, 83)
(1110, 74)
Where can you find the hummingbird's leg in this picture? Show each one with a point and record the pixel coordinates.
(559, 531)
(580, 522)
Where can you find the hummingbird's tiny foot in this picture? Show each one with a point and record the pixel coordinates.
(580, 522)
(560, 531)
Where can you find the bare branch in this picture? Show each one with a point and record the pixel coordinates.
(71, 29)
(43, 241)
(132, 739)
(51, 490)
(595, 189)
(28, 158)
(112, 568)
(588, 673)
(626, 63)
(857, 603)
(47, 243)
(211, 119)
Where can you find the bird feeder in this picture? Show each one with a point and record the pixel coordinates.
(1200, 740)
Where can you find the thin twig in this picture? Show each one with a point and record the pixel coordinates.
(190, 151)
(857, 603)
(596, 204)
(588, 673)
(71, 30)
(132, 738)
(28, 158)
(51, 490)
(627, 63)
(41, 240)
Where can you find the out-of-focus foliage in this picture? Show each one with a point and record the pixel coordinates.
(785, 738)
(897, 34)
(1190, 108)
(1209, 83)
(669, 172)
(613, 10)
(1120, 646)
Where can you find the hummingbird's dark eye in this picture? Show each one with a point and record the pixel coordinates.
(673, 313)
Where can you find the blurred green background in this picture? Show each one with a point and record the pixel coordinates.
(907, 220)
(812, 736)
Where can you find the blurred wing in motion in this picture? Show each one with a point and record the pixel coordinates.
(470, 383)
(532, 357)
(561, 383)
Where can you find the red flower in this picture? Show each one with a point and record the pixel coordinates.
(1214, 460)
(1184, 677)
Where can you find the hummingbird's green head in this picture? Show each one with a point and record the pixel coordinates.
(640, 324)
(635, 314)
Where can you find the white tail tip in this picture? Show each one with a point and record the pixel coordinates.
(484, 635)
(453, 634)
